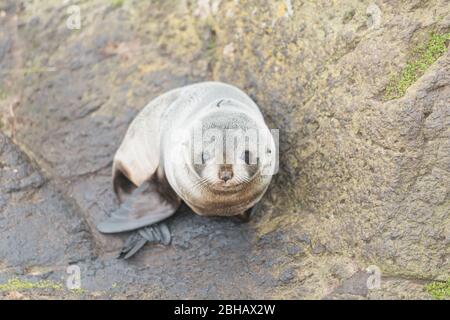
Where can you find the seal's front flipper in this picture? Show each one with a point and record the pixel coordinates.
(146, 205)
(245, 217)
(157, 233)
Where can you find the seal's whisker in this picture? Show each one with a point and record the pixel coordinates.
(242, 179)
(200, 183)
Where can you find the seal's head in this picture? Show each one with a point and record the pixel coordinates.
(224, 163)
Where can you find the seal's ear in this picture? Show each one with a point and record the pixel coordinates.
(147, 204)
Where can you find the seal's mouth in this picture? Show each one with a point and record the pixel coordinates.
(229, 185)
(220, 209)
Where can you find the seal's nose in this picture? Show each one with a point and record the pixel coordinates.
(225, 173)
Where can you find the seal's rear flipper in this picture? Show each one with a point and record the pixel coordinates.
(158, 233)
(132, 245)
(146, 205)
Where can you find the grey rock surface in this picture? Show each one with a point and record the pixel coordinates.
(363, 180)
(39, 228)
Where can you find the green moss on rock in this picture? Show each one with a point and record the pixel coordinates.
(79, 291)
(117, 3)
(16, 284)
(423, 58)
(439, 290)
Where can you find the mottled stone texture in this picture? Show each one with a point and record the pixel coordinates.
(373, 175)
(39, 230)
(363, 180)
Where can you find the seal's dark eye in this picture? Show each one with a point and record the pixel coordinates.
(205, 157)
(246, 156)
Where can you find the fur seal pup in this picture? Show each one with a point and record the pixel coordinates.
(206, 144)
